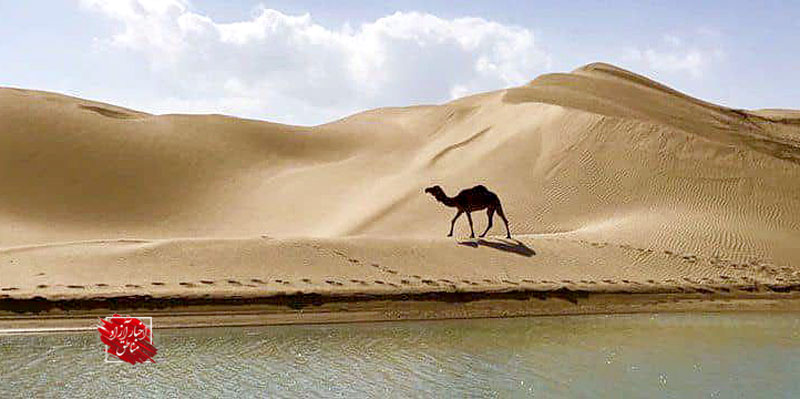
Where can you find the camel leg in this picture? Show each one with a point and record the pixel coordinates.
(503, 216)
(453, 223)
(471, 230)
(490, 214)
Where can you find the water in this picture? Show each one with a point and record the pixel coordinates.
(668, 355)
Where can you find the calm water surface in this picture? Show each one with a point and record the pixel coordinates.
(666, 355)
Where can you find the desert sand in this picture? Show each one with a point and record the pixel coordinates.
(618, 190)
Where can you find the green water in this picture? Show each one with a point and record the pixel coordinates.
(667, 355)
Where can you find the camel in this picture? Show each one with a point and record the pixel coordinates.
(470, 200)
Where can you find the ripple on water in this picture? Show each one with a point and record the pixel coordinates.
(606, 356)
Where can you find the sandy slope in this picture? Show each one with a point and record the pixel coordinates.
(605, 175)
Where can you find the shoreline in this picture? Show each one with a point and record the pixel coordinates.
(273, 281)
(333, 309)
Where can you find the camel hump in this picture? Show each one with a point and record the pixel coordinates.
(480, 187)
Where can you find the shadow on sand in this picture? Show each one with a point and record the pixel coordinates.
(503, 244)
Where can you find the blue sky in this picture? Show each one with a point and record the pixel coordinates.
(307, 62)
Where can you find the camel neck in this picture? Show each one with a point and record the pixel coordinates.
(444, 199)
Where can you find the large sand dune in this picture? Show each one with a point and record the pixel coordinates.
(608, 178)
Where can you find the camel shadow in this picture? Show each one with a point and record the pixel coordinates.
(509, 245)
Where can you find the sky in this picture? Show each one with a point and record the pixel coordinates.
(308, 62)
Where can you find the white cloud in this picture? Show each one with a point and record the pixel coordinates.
(289, 68)
(677, 54)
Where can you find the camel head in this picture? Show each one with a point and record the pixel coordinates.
(434, 190)
(438, 194)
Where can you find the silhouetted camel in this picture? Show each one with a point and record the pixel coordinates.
(471, 200)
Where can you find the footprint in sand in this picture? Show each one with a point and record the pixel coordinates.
(157, 283)
(332, 282)
(132, 286)
(510, 282)
(405, 282)
(444, 280)
(101, 285)
(379, 282)
(488, 281)
(430, 282)
(9, 288)
(306, 280)
(77, 287)
(207, 282)
(525, 280)
(232, 282)
(609, 281)
(416, 276)
(257, 281)
(41, 286)
(186, 284)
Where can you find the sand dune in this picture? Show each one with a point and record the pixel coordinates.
(605, 176)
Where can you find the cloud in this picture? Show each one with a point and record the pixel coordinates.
(289, 68)
(676, 54)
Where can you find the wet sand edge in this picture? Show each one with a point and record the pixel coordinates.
(318, 309)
